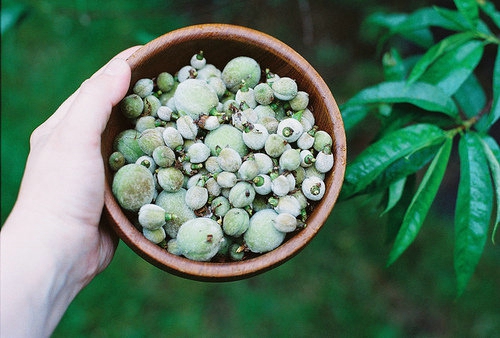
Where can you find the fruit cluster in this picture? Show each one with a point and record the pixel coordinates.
(219, 165)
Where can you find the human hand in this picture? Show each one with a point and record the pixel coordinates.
(53, 229)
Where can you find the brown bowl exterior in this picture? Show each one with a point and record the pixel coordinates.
(220, 43)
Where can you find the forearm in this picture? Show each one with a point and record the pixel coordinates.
(36, 285)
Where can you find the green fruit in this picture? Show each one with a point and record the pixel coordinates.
(200, 239)
(126, 143)
(261, 235)
(235, 222)
(174, 203)
(133, 186)
(195, 97)
(241, 68)
(226, 136)
(131, 106)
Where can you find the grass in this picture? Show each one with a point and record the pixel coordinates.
(338, 285)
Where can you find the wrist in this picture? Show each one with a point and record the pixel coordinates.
(38, 281)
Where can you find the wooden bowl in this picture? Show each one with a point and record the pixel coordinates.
(220, 43)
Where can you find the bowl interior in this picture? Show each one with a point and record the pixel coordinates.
(220, 43)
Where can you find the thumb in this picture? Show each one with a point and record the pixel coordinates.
(89, 112)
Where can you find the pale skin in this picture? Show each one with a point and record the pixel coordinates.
(52, 243)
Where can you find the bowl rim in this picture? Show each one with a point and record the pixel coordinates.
(230, 271)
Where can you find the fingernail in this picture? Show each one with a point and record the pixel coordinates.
(114, 67)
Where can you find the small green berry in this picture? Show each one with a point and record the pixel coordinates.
(236, 252)
(156, 236)
(275, 145)
(174, 203)
(131, 106)
(241, 68)
(263, 94)
(200, 239)
(321, 140)
(242, 194)
(313, 188)
(300, 101)
(235, 222)
(151, 105)
(163, 156)
(151, 216)
(165, 82)
(187, 127)
(220, 206)
(226, 179)
(291, 129)
(289, 160)
(116, 160)
(143, 87)
(261, 235)
(195, 97)
(133, 186)
(148, 162)
(285, 222)
(170, 179)
(172, 138)
(149, 140)
(229, 159)
(285, 88)
(196, 197)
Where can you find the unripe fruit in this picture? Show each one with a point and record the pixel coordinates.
(156, 236)
(143, 87)
(291, 129)
(235, 222)
(200, 239)
(133, 186)
(195, 97)
(165, 82)
(196, 197)
(241, 68)
(226, 136)
(241, 195)
(116, 160)
(285, 88)
(313, 188)
(126, 143)
(229, 160)
(131, 106)
(261, 235)
(170, 179)
(163, 156)
(285, 222)
(174, 203)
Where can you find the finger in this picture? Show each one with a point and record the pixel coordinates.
(60, 113)
(94, 100)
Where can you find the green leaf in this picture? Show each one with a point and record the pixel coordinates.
(420, 94)
(469, 9)
(394, 66)
(395, 192)
(459, 22)
(421, 202)
(471, 97)
(491, 11)
(396, 214)
(402, 167)
(444, 46)
(494, 114)
(473, 208)
(387, 150)
(353, 115)
(492, 151)
(10, 16)
(454, 67)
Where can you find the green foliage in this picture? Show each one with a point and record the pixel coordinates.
(425, 103)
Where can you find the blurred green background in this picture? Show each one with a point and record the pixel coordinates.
(338, 285)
